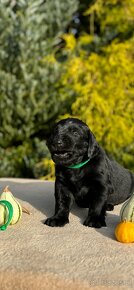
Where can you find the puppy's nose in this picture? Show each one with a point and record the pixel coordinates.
(59, 143)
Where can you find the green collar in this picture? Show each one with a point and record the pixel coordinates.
(78, 165)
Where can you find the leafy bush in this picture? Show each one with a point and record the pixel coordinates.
(100, 77)
(29, 73)
(43, 79)
(23, 160)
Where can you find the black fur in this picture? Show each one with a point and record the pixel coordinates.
(98, 185)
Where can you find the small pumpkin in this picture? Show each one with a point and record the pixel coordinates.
(10, 209)
(124, 232)
(17, 209)
(127, 210)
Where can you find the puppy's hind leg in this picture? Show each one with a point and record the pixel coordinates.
(97, 209)
(109, 207)
(96, 221)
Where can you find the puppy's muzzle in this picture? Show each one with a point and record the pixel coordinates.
(61, 154)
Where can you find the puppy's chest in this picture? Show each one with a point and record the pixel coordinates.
(80, 185)
(82, 193)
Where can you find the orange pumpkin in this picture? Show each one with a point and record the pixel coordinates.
(124, 232)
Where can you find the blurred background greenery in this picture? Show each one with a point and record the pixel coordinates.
(58, 59)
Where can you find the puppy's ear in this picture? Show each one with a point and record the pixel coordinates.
(93, 147)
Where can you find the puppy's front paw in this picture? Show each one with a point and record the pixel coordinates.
(95, 222)
(56, 221)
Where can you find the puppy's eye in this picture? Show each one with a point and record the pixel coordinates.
(75, 133)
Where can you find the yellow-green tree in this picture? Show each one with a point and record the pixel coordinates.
(100, 78)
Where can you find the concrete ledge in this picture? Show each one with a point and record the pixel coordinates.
(34, 255)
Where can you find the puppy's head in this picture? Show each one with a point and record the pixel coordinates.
(71, 142)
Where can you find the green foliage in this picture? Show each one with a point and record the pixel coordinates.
(101, 81)
(29, 100)
(23, 160)
(91, 77)
(28, 97)
(115, 18)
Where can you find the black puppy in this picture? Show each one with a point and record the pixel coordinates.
(84, 173)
